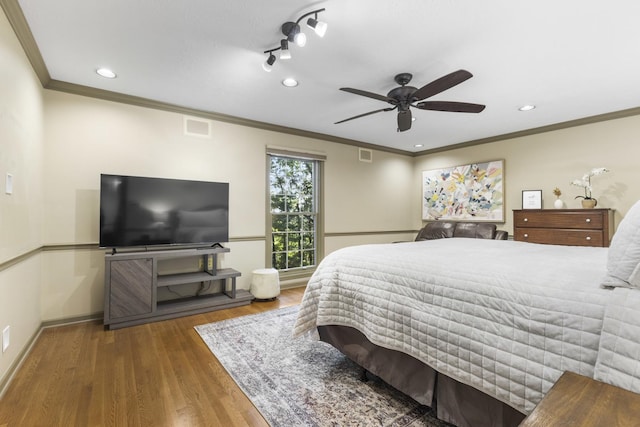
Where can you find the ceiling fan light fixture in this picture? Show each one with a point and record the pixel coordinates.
(285, 53)
(268, 64)
(319, 27)
(404, 97)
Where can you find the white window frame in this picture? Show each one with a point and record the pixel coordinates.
(318, 159)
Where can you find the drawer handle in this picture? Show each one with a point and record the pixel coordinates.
(588, 220)
(526, 219)
(526, 235)
(588, 237)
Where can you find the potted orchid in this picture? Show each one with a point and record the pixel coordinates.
(588, 201)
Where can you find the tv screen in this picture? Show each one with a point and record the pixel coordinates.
(139, 211)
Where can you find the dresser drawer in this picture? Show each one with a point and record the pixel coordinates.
(573, 227)
(570, 237)
(541, 219)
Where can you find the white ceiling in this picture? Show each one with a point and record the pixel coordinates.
(571, 58)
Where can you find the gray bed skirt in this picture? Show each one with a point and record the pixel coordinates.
(457, 403)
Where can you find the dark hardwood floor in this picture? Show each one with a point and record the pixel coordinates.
(158, 374)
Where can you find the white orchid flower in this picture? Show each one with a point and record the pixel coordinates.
(585, 182)
(598, 171)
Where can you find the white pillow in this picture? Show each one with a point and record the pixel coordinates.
(623, 264)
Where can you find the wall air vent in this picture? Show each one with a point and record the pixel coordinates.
(194, 126)
(365, 155)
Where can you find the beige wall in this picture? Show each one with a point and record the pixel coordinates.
(86, 137)
(21, 154)
(363, 197)
(553, 159)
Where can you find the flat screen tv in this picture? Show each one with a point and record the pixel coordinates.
(139, 211)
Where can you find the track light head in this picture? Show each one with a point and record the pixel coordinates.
(293, 33)
(268, 64)
(285, 53)
(319, 27)
(300, 39)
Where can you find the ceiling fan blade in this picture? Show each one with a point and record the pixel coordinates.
(404, 120)
(457, 107)
(365, 114)
(370, 95)
(441, 84)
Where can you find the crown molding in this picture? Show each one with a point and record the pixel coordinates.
(19, 24)
(157, 105)
(534, 131)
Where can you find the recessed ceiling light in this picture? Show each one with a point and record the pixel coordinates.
(290, 82)
(528, 107)
(106, 73)
(419, 145)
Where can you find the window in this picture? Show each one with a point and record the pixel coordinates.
(294, 219)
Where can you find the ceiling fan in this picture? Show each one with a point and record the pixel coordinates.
(405, 96)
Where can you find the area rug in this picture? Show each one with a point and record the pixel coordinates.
(302, 382)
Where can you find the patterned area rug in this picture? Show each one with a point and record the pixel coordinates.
(302, 382)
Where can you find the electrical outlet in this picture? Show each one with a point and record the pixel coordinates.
(5, 339)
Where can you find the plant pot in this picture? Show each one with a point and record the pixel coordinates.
(589, 203)
(558, 204)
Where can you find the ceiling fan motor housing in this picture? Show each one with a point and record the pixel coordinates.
(403, 95)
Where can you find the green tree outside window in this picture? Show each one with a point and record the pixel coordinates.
(293, 204)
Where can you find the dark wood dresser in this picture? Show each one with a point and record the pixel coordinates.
(574, 227)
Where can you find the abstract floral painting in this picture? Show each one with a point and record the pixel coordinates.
(473, 192)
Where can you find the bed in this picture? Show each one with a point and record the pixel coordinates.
(484, 326)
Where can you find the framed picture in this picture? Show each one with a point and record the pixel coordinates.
(473, 192)
(531, 199)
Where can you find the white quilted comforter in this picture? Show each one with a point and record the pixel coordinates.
(504, 317)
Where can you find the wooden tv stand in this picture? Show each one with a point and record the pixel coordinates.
(132, 280)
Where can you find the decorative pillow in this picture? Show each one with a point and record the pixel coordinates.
(623, 264)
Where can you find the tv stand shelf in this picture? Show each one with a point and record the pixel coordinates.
(180, 278)
(132, 280)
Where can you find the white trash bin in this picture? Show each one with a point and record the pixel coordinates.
(265, 284)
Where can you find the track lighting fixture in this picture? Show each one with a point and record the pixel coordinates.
(293, 34)
(268, 64)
